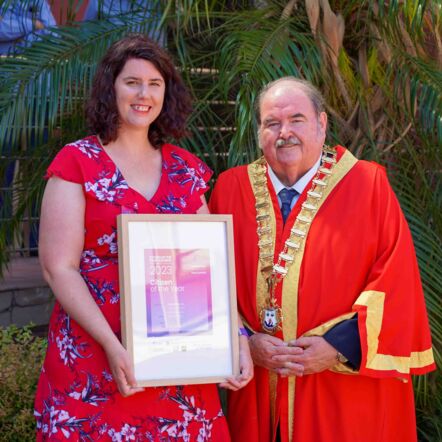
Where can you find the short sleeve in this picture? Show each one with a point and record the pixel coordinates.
(66, 165)
(202, 170)
(187, 181)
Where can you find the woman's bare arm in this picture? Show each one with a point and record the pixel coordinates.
(60, 246)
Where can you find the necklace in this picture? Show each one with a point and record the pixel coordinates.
(274, 272)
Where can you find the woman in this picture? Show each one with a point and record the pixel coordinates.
(87, 389)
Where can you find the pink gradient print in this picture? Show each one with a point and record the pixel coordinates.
(178, 291)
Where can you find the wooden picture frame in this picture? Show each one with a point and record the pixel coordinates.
(178, 297)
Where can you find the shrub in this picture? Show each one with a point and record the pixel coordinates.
(21, 358)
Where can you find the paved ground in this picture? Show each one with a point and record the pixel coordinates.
(22, 273)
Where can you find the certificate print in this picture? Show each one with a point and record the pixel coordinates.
(178, 310)
(178, 292)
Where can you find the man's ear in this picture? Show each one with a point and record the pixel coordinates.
(322, 123)
(258, 138)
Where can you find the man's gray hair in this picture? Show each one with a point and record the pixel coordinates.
(311, 91)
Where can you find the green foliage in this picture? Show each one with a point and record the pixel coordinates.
(428, 406)
(378, 63)
(21, 357)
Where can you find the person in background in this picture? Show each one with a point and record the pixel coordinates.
(111, 8)
(328, 285)
(138, 10)
(21, 23)
(87, 389)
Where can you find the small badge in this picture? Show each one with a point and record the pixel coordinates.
(271, 318)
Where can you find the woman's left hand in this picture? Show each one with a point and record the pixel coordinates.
(245, 367)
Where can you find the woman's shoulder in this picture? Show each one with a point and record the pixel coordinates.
(173, 151)
(89, 147)
(76, 160)
(176, 157)
(187, 175)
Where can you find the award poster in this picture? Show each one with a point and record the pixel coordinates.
(178, 301)
(178, 291)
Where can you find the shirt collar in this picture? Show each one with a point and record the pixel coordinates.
(300, 185)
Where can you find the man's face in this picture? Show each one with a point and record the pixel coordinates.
(288, 114)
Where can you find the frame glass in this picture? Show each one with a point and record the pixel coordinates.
(178, 297)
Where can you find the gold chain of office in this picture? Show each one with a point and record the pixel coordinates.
(274, 272)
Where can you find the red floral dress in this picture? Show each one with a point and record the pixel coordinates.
(77, 398)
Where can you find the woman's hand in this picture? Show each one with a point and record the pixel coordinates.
(122, 370)
(245, 367)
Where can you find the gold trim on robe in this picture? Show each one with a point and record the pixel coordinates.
(261, 283)
(291, 281)
(374, 302)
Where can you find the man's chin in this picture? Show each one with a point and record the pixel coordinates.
(289, 155)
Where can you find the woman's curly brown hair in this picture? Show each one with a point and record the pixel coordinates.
(101, 109)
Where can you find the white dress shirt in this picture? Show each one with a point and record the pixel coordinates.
(299, 186)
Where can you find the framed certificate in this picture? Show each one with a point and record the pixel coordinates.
(178, 297)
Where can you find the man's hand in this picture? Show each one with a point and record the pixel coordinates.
(38, 25)
(318, 354)
(267, 349)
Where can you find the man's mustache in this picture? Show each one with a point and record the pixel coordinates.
(290, 140)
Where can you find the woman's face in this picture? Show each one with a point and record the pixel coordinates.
(139, 91)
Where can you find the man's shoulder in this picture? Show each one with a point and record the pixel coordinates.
(363, 168)
(230, 189)
(370, 170)
(234, 173)
(230, 180)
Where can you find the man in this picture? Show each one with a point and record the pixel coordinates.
(138, 10)
(327, 283)
(22, 22)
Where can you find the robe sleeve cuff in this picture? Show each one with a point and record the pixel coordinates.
(344, 337)
(322, 329)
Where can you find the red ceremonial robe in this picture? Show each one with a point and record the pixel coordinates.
(358, 257)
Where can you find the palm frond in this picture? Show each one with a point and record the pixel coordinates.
(388, 68)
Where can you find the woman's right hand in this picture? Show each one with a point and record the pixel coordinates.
(122, 369)
(245, 366)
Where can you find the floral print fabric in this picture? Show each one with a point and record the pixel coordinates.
(77, 399)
